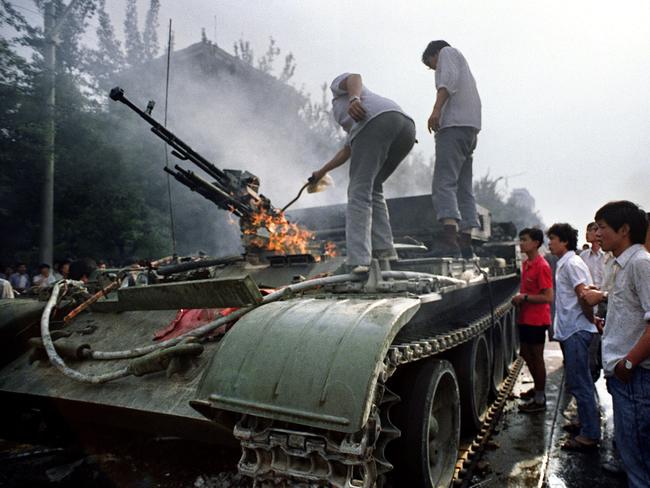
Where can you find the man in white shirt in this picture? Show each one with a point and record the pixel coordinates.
(456, 121)
(595, 256)
(573, 326)
(44, 277)
(6, 291)
(622, 228)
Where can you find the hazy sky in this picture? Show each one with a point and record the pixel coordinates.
(565, 85)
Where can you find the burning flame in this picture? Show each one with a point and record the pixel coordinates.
(330, 249)
(284, 237)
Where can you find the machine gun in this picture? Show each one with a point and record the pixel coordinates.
(232, 190)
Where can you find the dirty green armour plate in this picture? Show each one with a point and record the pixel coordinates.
(308, 361)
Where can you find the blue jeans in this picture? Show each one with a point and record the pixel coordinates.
(581, 385)
(453, 194)
(632, 425)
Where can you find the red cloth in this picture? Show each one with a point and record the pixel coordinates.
(188, 319)
(535, 277)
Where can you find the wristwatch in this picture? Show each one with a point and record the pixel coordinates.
(526, 298)
(627, 364)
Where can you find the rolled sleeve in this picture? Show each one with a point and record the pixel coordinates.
(447, 72)
(578, 275)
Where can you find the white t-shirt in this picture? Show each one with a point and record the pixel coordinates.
(463, 107)
(570, 272)
(40, 280)
(372, 103)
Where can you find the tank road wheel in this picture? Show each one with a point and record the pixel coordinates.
(497, 356)
(429, 418)
(471, 362)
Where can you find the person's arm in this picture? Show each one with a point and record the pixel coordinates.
(339, 158)
(587, 309)
(639, 353)
(433, 124)
(593, 296)
(545, 296)
(353, 85)
(641, 350)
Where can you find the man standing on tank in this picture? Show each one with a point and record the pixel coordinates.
(456, 121)
(380, 135)
(534, 317)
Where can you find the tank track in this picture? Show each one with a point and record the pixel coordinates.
(281, 454)
(470, 456)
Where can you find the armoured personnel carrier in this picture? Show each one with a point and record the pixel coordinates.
(323, 378)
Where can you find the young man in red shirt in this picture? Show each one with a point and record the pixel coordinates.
(534, 317)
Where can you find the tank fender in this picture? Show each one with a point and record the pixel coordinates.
(308, 361)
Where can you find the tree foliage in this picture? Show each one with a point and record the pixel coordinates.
(135, 51)
(517, 206)
(100, 208)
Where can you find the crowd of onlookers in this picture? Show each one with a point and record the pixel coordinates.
(597, 305)
(15, 280)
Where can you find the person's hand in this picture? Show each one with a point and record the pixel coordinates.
(433, 123)
(625, 375)
(599, 322)
(517, 299)
(592, 296)
(316, 175)
(356, 110)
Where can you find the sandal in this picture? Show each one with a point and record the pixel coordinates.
(573, 444)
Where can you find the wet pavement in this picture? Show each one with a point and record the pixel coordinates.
(526, 450)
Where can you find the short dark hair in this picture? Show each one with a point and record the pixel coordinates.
(591, 224)
(43, 265)
(81, 267)
(621, 212)
(432, 49)
(565, 233)
(534, 234)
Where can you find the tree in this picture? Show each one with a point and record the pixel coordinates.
(135, 51)
(265, 63)
(243, 51)
(107, 59)
(289, 68)
(517, 207)
(150, 34)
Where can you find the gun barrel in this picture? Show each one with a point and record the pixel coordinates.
(209, 191)
(232, 190)
(117, 94)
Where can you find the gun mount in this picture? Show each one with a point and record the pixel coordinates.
(232, 190)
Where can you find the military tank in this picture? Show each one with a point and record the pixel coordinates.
(322, 377)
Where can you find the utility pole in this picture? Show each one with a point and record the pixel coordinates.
(51, 28)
